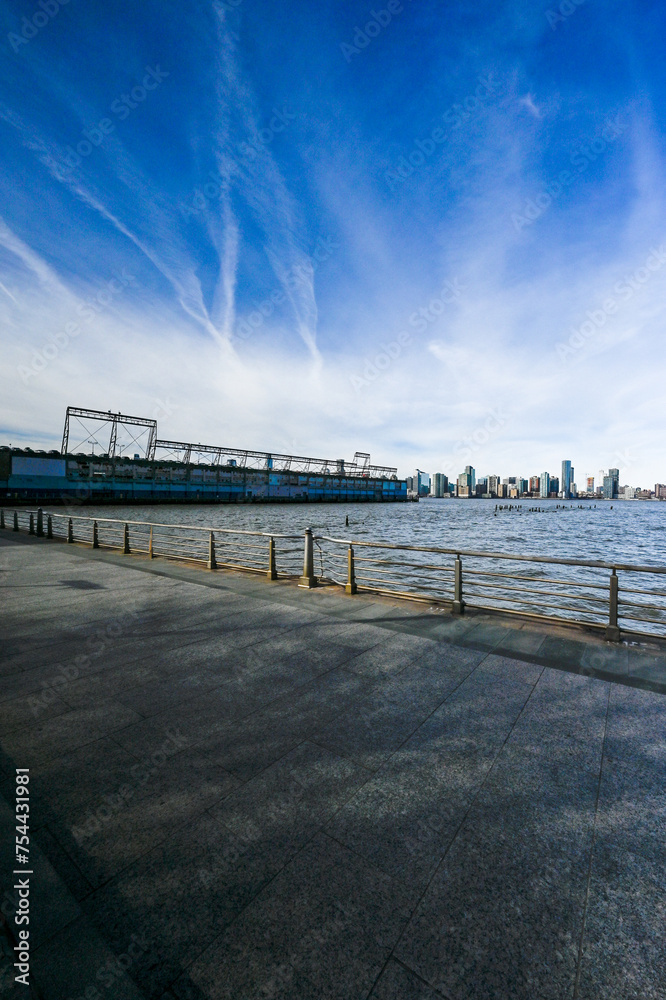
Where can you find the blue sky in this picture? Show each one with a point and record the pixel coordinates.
(431, 231)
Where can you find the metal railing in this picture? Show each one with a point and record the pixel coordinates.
(614, 597)
(271, 554)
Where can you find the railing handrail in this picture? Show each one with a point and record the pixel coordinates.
(468, 553)
(593, 563)
(159, 524)
(181, 541)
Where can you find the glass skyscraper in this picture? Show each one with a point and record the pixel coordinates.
(567, 478)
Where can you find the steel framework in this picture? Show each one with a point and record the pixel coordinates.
(183, 451)
(113, 421)
(186, 451)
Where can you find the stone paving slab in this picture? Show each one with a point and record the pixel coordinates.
(249, 790)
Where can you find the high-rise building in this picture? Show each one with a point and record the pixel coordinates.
(660, 491)
(522, 485)
(535, 484)
(421, 483)
(502, 491)
(493, 483)
(467, 482)
(544, 484)
(439, 486)
(611, 484)
(554, 486)
(567, 478)
(590, 484)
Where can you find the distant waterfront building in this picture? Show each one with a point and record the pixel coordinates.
(660, 491)
(611, 484)
(493, 483)
(502, 490)
(544, 484)
(467, 482)
(421, 483)
(535, 484)
(567, 478)
(590, 484)
(439, 486)
(554, 486)
(522, 485)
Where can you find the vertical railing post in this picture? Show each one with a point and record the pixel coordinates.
(151, 553)
(31, 527)
(2, 518)
(49, 527)
(16, 527)
(308, 579)
(350, 586)
(95, 541)
(126, 544)
(612, 629)
(211, 551)
(458, 603)
(272, 568)
(40, 522)
(70, 531)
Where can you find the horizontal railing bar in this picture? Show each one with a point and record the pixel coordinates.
(536, 614)
(639, 604)
(160, 524)
(541, 593)
(403, 565)
(534, 579)
(398, 583)
(536, 604)
(637, 618)
(470, 553)
(407, 595)
(648, 593)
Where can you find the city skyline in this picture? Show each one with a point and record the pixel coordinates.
(455, 215)
(543, 485)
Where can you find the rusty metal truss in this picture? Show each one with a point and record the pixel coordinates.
(188, 452)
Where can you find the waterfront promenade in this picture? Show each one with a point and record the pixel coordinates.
(240, 789)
